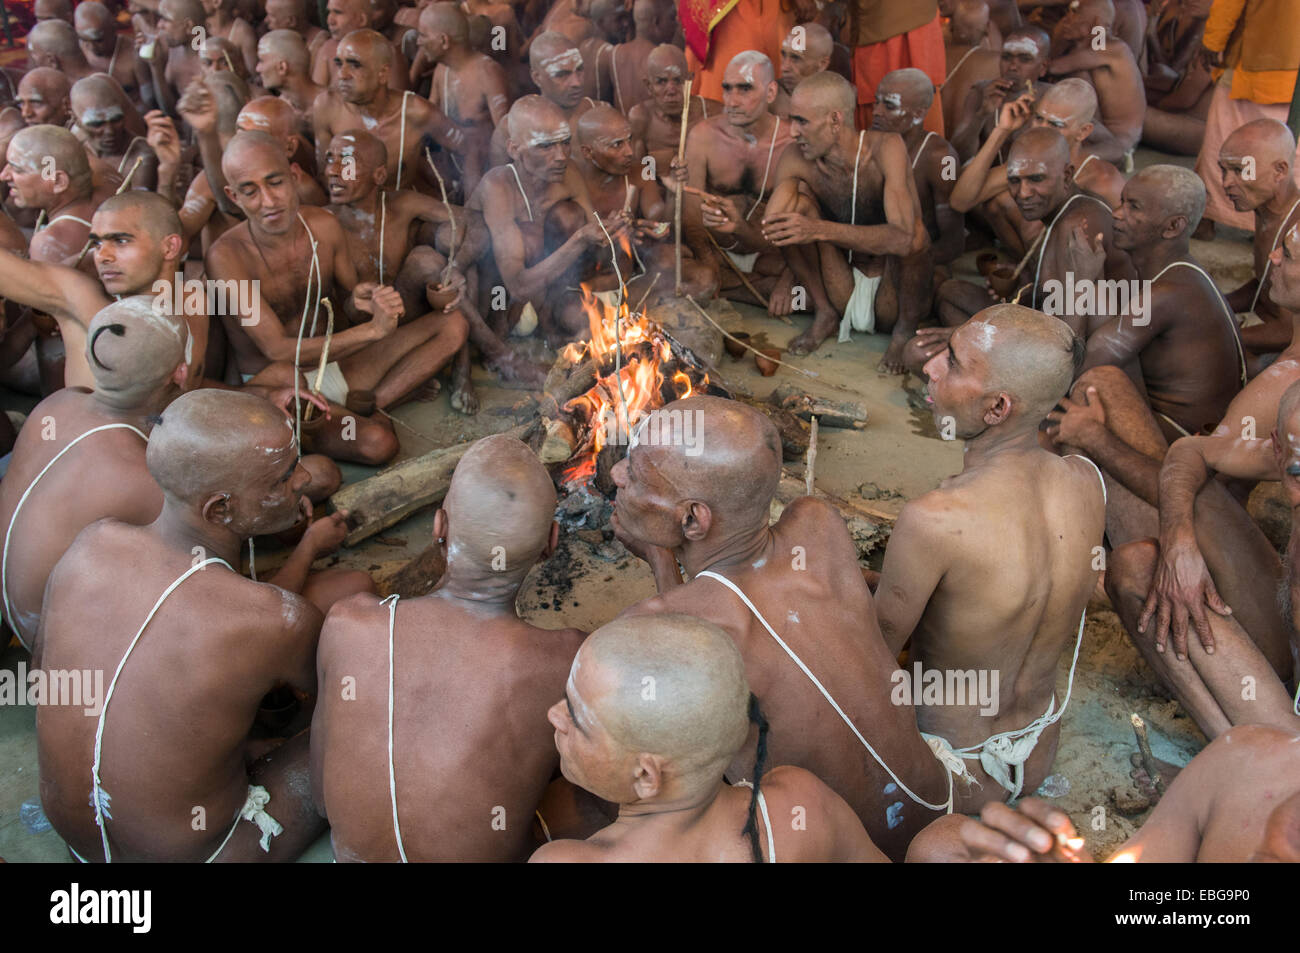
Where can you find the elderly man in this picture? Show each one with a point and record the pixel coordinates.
(53, 43)
(657, 121)
(806, 50)
(101, 111)
(1022, 65)
(344, 17)
(106, 50)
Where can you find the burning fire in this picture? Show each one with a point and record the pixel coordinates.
(622, 396)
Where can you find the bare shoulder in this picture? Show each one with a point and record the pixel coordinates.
(226, 253)
(566, 852)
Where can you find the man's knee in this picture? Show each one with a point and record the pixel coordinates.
(326, 477)
(1129, 570)
(376, 442)
(455, 328)
(939, 842)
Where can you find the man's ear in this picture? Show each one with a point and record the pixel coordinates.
(181, 375)
(697, 520)
(552, 540)
(534, 76)
(440, 525)
(1176, 225)
(61, 181)
(648, 776)
(230, 195)
(217, 509)
(291, 147)
(772, 90)
(1068, 173)
(380, 175)
(1086, 130)
(1000, 410)
(173, 248)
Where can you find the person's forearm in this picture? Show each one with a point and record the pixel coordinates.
(1181, 477)
(532, 284)
(884, 239)
(167, 181)
(342, 344)
(966, 190)
(293, 574)
(162, 89)
(1138, 473)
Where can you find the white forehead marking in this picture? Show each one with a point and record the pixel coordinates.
(892, 100)
(1020, 44)
(984, 334)
(545, 138)
(101, 114)
(569, 59)
(747, 73)
(671, 70)
(1021, 166)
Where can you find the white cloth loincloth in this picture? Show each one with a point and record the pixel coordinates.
(860, 312)
(744, 262)
(1002, 756)
(334, 386)
(527, 323)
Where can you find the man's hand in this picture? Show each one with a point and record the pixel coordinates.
(790, 228)
(1035, 833)
(995, 94)
(721, 213)
(326, 534)
(1086, 259)
(162, 138)
(386, 309)
(593, 234)
(1016, 113)
(1210, 59)
(1077, 424)
(1181, 586)
(198, 107)
(448, 293)
(676, 177)
(925, 344)
(283, 398)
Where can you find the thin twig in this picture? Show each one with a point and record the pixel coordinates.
(748, 347)
(811, 467)
(1144, 749)
(442, 186)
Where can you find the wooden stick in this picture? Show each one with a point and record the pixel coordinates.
(324, 354)
(126, 183)
(810, 469)
(1033, 246)
(677, 198)
(229, 65)
(442, 186)
(1144, 749)
(762, 299)
(744, 344)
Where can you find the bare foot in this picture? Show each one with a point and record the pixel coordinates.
(1143, 782)
(463, 396)
(513, 367)
(817, 332)
(893, 362)
(429, 390)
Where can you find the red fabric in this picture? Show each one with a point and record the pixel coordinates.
(749, 25)
(921, 48)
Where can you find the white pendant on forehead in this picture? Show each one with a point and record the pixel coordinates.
(1020, 44)
(569, 59)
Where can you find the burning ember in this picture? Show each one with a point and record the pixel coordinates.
(648, 375)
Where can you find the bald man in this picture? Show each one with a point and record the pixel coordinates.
(228, 470)
(344, 17)
(657, 120)
(1112, 70)
(217, 54)
(613, 24)
(100, 109)
(106, 50)
(846, 210)
(44, 10)
(903, 99)
(383, 20)
(292, 15)
(53, 43)
(793, 588)
(171, 53)
(653, 24)
(733, 163)
(556, 67)
(805, 50)
(284, 68)
(605, 159)
(224, 23)
(1236, 802)
(1000, 374)
(468, 792)
(972, 50)
(1039, 178)
(361, 97)
(663, 763)
(470, 88)
(44, 97)
(1255, 163)
(1022, 65)
(543, 230)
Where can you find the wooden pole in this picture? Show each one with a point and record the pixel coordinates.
(677, 198)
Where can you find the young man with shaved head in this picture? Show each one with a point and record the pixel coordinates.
(1111, 69)
(543, 230)
(225, 24)
(1038, 177)
(373, 365)
(284, 68)
(102, 112)
(106, 50)
(361, 97)
(1256, 166)
(344, 17)
(468, 792)
(902, 100)
(663, 763)
(227, 465)
(790, 595)
(470, 88)
(53, 43)
(847, 210)
(733, 163)
(1022, 65)
(556, 67)
(657, 120)
(805, 50)
(173, 61)
(978, 586)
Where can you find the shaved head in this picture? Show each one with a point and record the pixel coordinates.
(1046, 145)
(368, 149)
(157, 215)
(92, 15)
(191, 10)
(1268, 140)
(699, 718)
(57, 143)
(287, 45)
(602, 121)
(133, 349)
(97, 91)
(446, 18)
(828, 92)
(500, 505)
(251, 146)
(1179, 191)
(750, 66)
(817, 41)
(369, 46)
(271, 115)
(534, 118)
(56, 38)
(1034, 34)
(551, 48)
(1075, 98)
(915, 89)
(1029, 355)
(53, 9)
(44, 96)
(666, 58)
(1097, 11)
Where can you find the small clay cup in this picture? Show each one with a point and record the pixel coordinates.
(1002, 279)
(766, 359)
(735, 348)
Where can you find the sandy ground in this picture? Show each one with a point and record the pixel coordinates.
(590, 580)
